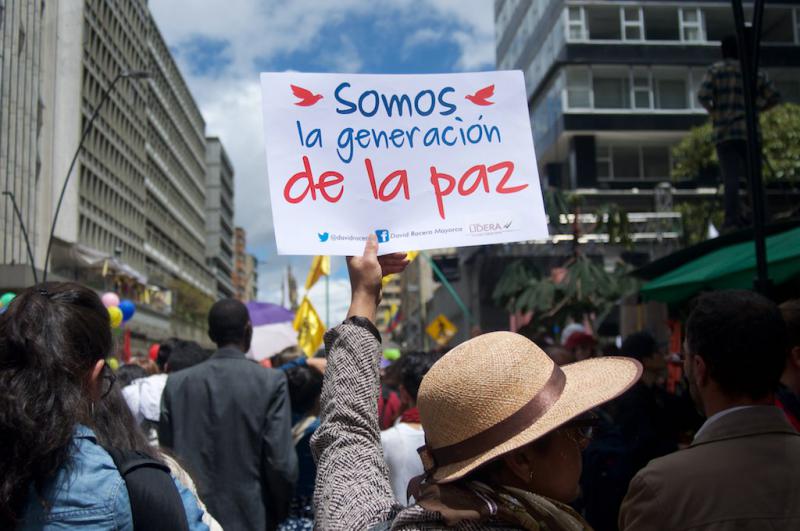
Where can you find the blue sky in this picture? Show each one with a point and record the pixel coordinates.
(222, 47)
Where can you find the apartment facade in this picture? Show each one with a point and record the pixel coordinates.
(219, 216)
(612, 85)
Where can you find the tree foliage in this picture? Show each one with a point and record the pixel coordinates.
(695, 155)
(586, 289)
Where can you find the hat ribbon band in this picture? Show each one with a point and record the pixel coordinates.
(507, 428)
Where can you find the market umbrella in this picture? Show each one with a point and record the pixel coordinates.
(730, 267)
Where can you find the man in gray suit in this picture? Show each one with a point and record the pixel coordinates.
(229, 420)
(742, 471)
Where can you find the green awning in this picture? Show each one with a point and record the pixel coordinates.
(728, 268)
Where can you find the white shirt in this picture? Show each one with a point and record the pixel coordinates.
(144, 397)
(400, 445)
(718, 415)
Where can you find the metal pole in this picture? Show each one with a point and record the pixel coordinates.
(95, 113)
(24, 234)
(748, 59)
(467, 314)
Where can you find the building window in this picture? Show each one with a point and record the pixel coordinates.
(641, 84)
(632, 23)
(603, 22)
(661, 24)
(691, 20)
(611, 89)
(632, 161)
(670, 90)
(778, 26)
(719, 23)
(576, 21)
(579, 88)
(796, 16)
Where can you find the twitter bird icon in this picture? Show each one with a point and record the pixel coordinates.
(323, 236)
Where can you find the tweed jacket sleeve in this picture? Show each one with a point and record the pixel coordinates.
(352, 488)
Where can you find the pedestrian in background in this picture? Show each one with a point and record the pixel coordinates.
(722, 95)
(788, 396)
(742, 471)
(401, 441)
(56, 420)
(229, 420)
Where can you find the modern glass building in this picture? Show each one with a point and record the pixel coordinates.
(612, 85)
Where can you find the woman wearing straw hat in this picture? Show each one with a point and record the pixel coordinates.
(504, 427)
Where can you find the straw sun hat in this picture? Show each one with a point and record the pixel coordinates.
(498, 392)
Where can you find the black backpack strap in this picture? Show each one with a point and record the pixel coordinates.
(155, 501)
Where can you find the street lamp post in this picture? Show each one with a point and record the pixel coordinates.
(106, 93)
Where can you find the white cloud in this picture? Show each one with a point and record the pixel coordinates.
(254, 32)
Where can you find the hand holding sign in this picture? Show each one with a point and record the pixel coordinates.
(422, 161)
(366, 272)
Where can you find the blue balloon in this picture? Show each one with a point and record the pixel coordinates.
(128, 308)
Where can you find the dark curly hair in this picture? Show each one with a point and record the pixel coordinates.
(741, 337)
(51, 337)
(413, 367)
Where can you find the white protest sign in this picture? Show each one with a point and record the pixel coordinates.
(422, 161)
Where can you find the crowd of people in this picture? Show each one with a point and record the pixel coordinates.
(497, 433)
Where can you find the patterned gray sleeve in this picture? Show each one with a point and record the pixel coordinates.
(352, 489)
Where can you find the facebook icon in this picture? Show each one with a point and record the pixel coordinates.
(383, 235)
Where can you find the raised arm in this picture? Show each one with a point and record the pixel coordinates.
(352, 488)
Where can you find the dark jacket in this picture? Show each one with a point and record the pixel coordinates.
(229, 420)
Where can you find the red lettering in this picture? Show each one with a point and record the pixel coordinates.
(509, 167)
(371, 174)
(440, 194)
(481, 177)
(402, 184)
(324, 182)
(299, 176)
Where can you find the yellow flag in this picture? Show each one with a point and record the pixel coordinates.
(310, 329)
(410, 255)
(321, 265)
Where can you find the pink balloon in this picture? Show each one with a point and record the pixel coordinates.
(110, 299)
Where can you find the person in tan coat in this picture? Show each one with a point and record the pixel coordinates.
(742, 471)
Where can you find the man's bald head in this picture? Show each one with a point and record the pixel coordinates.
(229, 324)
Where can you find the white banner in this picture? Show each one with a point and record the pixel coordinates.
(422, 161)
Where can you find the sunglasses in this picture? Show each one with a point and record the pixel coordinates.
(582, 429)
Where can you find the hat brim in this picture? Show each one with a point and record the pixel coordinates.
(589, 383)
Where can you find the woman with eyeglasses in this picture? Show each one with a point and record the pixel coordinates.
(57, 418)
(504, 427)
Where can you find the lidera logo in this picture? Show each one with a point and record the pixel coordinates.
(323, 236)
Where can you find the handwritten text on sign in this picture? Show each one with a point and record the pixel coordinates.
(423, 161)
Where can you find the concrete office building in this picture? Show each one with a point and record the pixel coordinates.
(176, 180)
(134, 213)
(20, 127)
(219, 216)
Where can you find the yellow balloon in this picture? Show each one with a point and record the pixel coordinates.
(115, 315)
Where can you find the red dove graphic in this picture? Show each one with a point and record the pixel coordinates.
(307, 98)
(482, 96)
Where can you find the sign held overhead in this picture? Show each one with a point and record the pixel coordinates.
(421, 161)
